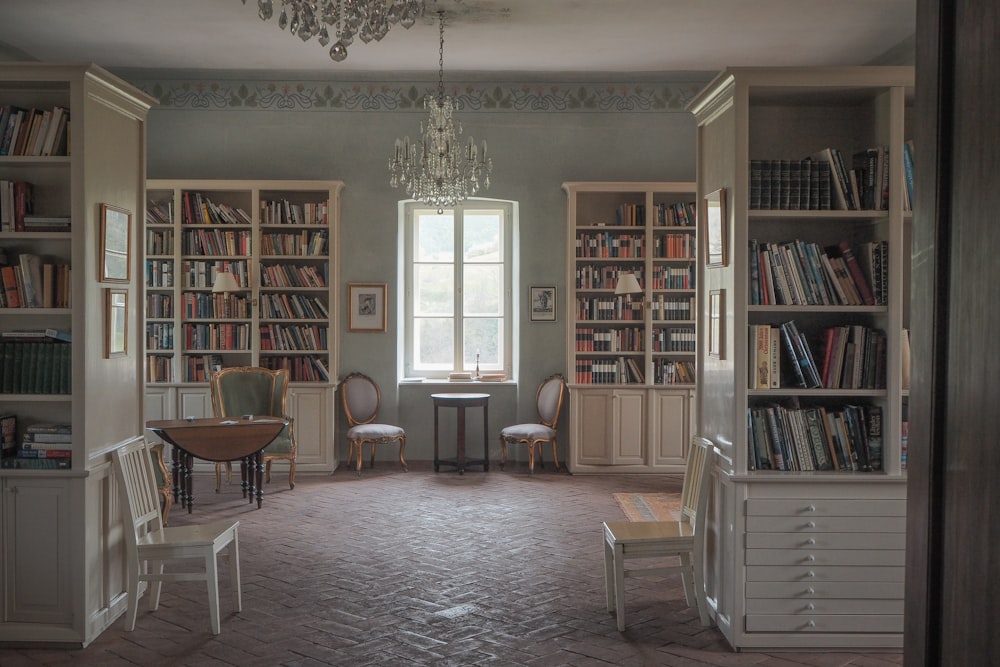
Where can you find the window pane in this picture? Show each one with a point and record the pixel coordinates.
(483, 336)
(434, 289)
(481, 238)
(482, 290)
(435, 237)
(434, 342)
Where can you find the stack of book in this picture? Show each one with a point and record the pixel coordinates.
(493, 377)
(44, 445)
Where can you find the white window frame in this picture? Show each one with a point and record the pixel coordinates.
(408, 212)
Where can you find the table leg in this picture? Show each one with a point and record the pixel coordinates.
(244, 476)
(259, 478)
(437, 462)
(175, 456)
(461, 439)
(188, 481)
(486, 437)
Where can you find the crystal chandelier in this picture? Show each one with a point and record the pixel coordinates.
(436, 170)
(367, 19)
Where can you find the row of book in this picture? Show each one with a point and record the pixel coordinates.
(200, 210)
(17, 210)
(678, 214)
(293, 275)
(854, 357)
(159, 242)
(815, 438)
(204, 241)
(672, 277)
(159, 368)
(304, 368)
(628, 339)
(43, 445)
(670, 308)
(674, 339)
(303, 244)
(285, 306)
(215, 305)
(804, 273)
(293, 337)
(284, 212)
(604, 276)
(159, 336)
(620, 370)
(34, 131)
(601, 308)
(159, 305)
(202, 273)
(34, 282)
(610, 244)
(671, 371)
(217, 336)
(675, 246)
(159, 273)
(40, 365)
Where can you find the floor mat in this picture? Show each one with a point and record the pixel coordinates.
(650, 506)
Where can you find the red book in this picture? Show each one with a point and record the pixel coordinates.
(857, 273)
(23, 203)
(10, 286)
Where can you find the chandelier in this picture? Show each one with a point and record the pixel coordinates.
(436, 170)
(367, 19)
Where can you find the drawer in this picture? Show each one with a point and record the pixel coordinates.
(824, 573)
(826, 541)
(867, 623)
(820, 557)
(824, 507)
(826, 524)
(827, 590)
(824, 607)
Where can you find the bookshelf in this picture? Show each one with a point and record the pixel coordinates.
(810, 551)
(62, 388)
(630, 358)
(279, 241)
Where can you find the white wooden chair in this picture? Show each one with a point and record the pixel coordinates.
(661, 539)
(548, 401)
(150, 544)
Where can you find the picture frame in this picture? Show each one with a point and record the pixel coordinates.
(116, 245)
(716, 232)
(542, 303)
(716, 323)
(367, 310)
(115, 323)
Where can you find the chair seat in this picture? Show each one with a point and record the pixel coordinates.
(639, 532)
(218, 534)
(374, 431)
(528, 432)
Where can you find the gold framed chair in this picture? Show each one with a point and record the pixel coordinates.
(548, 401)
(163, 478)
(252, 390)
(149, 545)
(685, 538)
(361, 399)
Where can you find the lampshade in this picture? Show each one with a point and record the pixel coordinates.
(225, 282)
(627, 284)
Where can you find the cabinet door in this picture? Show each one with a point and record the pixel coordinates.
(195, 402)
(629, 408)
(312, 410)
(670, 414)
(36, 534)
(160, 404)
(593, 410)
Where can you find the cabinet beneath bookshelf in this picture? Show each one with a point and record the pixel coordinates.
(279, 240)
(630, 355)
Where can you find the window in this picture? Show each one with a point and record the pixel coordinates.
(458, 287)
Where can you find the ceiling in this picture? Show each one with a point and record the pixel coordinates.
(489, 36)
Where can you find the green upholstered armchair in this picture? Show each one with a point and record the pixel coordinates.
(251, 390)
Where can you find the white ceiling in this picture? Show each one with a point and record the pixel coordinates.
(490, 36)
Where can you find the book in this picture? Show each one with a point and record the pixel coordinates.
(48, 427)
(40, 440)
(761, 355)
(31, 278)
(36, 463)
(8, 434)
(874, 418)
(838, 183)
(13, 295)
(844, 252)
(25, 453)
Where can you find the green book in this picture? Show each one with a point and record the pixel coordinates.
(65, 370)
(18, 364)
(6, 367)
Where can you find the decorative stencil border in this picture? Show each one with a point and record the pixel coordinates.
(490, 97)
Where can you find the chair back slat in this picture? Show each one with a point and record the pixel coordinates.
(698, 463)
(133, 467)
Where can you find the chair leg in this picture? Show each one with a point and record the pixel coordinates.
(555, 455)
(132, 586)
(212, 582)
(503, 452)
(687, 579)
(267, 472)
(291, 473)
(699, 593)
(154, 587)
(609, 576)
(361, 446)
(620, 586)
(402, 449)
(218, 477)
(234, 573)
(531, 458)
(371, 463)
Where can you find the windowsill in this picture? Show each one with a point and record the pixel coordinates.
(423, 382)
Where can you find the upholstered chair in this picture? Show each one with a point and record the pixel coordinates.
(361, 399)
(548, 401)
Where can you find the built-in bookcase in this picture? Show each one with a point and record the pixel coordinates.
(804, 396)
(631, 357)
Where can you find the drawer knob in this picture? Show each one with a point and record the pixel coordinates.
(810, 558)
(811, 540)
(810, 591)
(811, 508)
(810, 606)
(810, 574)
(811, 624)
(811, 524)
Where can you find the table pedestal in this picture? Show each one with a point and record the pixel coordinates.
(461, 402)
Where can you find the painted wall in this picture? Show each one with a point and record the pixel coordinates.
(539, 135)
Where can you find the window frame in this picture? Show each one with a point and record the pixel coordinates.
(409, 210)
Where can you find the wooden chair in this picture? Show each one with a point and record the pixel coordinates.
(361, 399)
(150, 545)
(164, 480)
(252, 390)
(685, 539)
(548, 400)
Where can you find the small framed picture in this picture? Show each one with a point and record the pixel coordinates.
(366, 307)
(715, 229)
(116, 323)
(543, 304)
(116, 235)
(716, 323)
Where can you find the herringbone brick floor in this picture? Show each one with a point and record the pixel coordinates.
(418, 568)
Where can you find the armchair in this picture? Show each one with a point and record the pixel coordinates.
(251, 390)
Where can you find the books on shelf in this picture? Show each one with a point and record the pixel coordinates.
(804, 273)
(33, 132)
